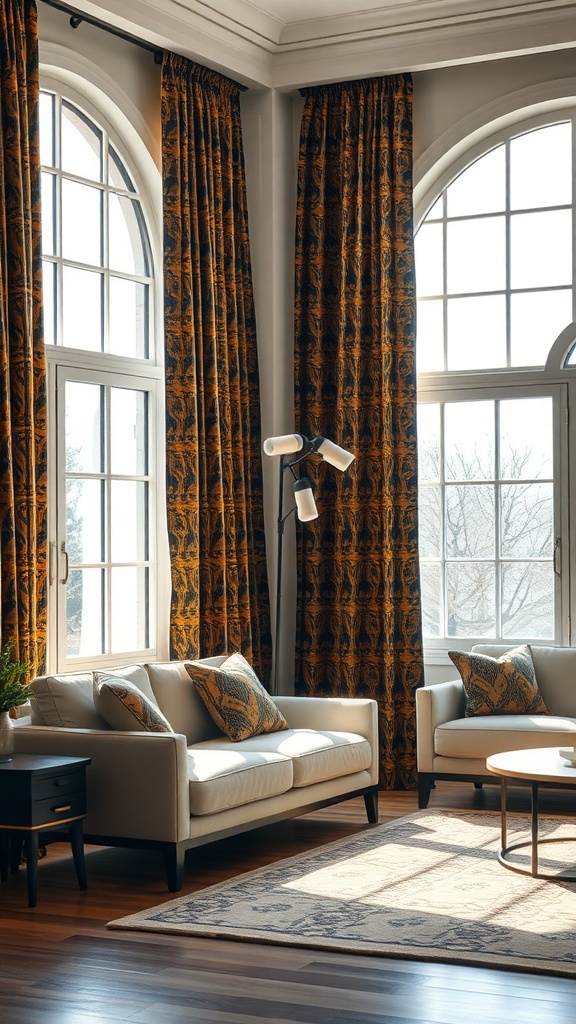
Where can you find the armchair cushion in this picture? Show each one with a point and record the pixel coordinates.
(236, 699)
(500, 686)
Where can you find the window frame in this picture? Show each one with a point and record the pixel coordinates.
(143, 372)
(553, 377)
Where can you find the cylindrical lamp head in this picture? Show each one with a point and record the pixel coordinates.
(283, 445)
(334, 454)
(305, 504)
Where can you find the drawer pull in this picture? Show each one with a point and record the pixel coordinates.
(65, 807)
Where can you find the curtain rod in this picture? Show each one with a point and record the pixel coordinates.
(77, 17)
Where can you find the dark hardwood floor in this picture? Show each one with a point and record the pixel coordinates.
(59, 964)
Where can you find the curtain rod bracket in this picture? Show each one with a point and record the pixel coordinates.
(76, 20)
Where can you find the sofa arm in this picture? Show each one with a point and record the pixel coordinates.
(436, 704)
(336, 714)
(137, 783)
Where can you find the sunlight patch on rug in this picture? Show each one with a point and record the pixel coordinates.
(427, 886)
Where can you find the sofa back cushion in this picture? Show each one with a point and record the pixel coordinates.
(179, 702)
(67, 699)
(555, 669)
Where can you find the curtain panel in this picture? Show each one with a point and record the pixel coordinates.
(213, 444)
(23, 468)
(358, 617)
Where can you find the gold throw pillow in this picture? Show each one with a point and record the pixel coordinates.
(236, 699)
(500, 686)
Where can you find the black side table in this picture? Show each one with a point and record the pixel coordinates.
(39, 794)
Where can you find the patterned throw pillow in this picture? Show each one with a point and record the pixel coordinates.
(124, 706)
(236, 699)
(500, 686)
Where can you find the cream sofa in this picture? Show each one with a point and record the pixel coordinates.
(451, 746)
(174, 791)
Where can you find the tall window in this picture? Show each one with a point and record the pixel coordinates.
(99, 318)
(494, 265)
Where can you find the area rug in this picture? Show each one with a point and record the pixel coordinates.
(428, 886)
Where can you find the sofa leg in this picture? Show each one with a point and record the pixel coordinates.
(477, 785)
(371, 804)
(174, 854)
(425, 787)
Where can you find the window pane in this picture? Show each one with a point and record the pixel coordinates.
(481, 188)
(84, 520)
(476, 257)
(471, 599)
(430, 331)
(128, 318)
(429, 441)
(528, 600)
(431, 584)
(46, 108)
(81, 223)
(470, 524)
(118, 175)
(129, 426)
(82, 309)
(429, 260)
(541, 249)
(81, 144)
(537, 318)
(48, 221)
(430, 522)
(127, 251)
(541, 168)
(527, 522)
(476, 332)
(84, 428)
(49, 301)
(526, 439)
(129, 521)
(85, 610)
(130, 619)
(469, 440)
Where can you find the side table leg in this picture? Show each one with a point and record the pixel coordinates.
(31, 844)
(503, 808)
(4, 853)
(77, 844)
(534, 817)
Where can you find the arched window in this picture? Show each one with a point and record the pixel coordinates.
(104, 377)
(495, 280)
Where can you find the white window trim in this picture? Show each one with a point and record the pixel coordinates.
(92, 89)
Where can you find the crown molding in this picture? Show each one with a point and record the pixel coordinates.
(257, 47)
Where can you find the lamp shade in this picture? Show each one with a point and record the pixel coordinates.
(305, 504)
(334, 454)
(283, 445)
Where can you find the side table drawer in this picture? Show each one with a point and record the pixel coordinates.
(59, 808)
(57, 785)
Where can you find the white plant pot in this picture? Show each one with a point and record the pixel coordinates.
(6, 736)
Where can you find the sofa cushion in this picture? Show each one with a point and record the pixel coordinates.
(180, 703)
(555, 671)
(65, 701)
(316, 755)
(124, 706)
(220, 778)
(482, 736)
(499, 686)
(236, 699)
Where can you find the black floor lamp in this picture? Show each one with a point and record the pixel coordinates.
(294, 449)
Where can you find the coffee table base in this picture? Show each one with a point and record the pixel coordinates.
(534, 842)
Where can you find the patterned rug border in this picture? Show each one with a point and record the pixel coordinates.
(148, 920)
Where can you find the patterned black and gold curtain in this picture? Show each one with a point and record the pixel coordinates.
(359, 626)
(214, 471)
(23, 474)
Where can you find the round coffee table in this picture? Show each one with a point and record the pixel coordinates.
(541, 765)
